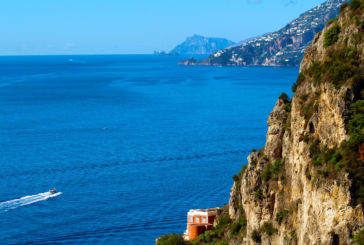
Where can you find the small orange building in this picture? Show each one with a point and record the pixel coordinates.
(199, 221)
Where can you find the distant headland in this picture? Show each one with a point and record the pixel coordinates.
(285, 47)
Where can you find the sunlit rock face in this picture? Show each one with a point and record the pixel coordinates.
(301, 206)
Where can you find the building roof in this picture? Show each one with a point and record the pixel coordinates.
(208, 211)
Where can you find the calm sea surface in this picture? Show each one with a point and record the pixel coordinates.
(132, 142)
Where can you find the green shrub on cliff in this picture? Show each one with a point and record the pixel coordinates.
(351, 155)
(293, 235)
(281, 215)
(330, 21)
(278, 167)
(356, 122)
(287, 107)
(268, 228)
(172, 239)
(316, 107)
(236, 178)
(343, 6)
(300, 79)
(340, 65)
(308, 109)
(348, 157)
(355, 4)
(316, 72)
(266, 174)
(239, 226)
(305, 138)
(359, 238)
(224, 221)
(287, 103)
(255, 236)
(273, 171)
(332, 35)
(284, 97)
(259, 194)
(340, 71)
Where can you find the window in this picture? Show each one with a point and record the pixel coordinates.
(191, 219)
(203, 220)
(197, 219)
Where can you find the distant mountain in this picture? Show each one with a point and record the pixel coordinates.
(284, 47)
(202, 45)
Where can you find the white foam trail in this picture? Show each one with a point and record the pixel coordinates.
(12, 204)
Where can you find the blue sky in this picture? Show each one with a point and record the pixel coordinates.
(43, 27)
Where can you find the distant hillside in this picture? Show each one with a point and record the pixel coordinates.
(284, 47)
(202, 45)
(243, 41)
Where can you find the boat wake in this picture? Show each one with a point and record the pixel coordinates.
(23, 201)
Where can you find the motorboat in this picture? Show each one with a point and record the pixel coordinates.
(53, 191)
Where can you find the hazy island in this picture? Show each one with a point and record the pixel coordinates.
(202, 45)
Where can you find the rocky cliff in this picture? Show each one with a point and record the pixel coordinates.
(306, 186)
(284, 47)
(202, 45)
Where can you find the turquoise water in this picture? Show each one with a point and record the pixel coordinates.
(132, 142)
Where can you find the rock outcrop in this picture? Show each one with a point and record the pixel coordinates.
(276, 121)
(190, 62)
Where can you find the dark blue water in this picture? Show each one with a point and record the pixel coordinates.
(132, 142)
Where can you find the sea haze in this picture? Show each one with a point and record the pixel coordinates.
(132, 142)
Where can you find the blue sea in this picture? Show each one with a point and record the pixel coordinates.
(131, 142)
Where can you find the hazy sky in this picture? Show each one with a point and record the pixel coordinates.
(136, 26)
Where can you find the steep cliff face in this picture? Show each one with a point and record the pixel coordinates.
(302, 188)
